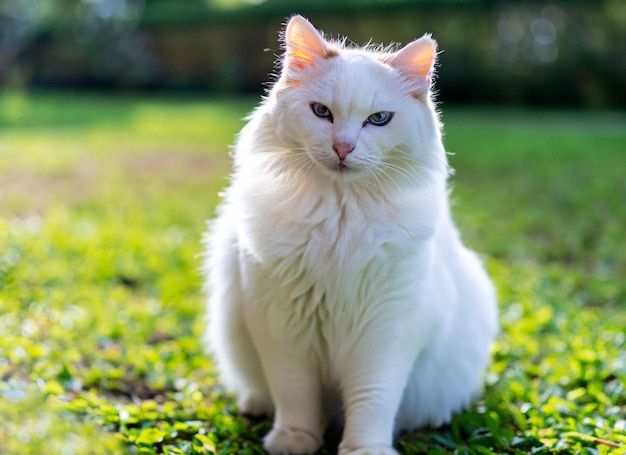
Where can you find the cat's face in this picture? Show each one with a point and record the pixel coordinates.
(355, 113)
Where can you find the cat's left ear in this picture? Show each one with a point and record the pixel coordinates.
(416, 59)
(304, 44)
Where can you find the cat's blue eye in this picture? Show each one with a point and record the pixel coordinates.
(380, 118)
(322, 111)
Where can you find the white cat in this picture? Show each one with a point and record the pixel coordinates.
(335, 272)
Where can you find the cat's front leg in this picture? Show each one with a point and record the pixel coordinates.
(293, 380)
(370, 415)
(372, 392)
(298, 423)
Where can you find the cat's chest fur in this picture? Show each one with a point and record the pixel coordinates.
(326, 241)
(328, 226)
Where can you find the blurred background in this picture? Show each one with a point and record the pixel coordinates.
(558, 53)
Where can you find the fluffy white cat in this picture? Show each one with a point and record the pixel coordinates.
(337, 280)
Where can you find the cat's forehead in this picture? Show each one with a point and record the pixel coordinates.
(360, 59)
(356, 80)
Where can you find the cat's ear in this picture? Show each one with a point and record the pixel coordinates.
(416, 59)
(304, 44)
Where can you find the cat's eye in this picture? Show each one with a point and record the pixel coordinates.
(322, 111)
(380, 118)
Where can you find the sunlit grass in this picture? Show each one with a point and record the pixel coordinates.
(103, 201)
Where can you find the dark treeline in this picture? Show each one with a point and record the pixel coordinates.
(516, 52)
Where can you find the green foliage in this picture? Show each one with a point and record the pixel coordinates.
(102, 206)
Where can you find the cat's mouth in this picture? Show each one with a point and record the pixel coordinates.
(338, 168)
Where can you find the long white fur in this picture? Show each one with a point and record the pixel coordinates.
(353, 287)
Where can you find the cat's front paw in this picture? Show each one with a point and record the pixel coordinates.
(377, 450)
(291, 441)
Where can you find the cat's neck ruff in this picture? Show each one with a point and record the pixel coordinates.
(290, 217)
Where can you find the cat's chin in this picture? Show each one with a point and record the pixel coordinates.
(341, 171)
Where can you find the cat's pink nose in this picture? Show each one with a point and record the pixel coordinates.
(342, 149)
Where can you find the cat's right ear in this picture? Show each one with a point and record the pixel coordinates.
(304, 44)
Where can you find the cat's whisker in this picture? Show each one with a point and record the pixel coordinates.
(409, 156)
(381, 177)
(411, 177)
(415, 168)
(377, 185)
(416, 178)
(296, 157)
(411, 174)
(434, 164)
(388, 178)
(286, 152)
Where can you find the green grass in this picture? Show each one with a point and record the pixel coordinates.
(103, 201)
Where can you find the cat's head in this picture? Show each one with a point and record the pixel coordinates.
(357, 113)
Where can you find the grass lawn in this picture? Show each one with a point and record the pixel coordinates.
(103, 201)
